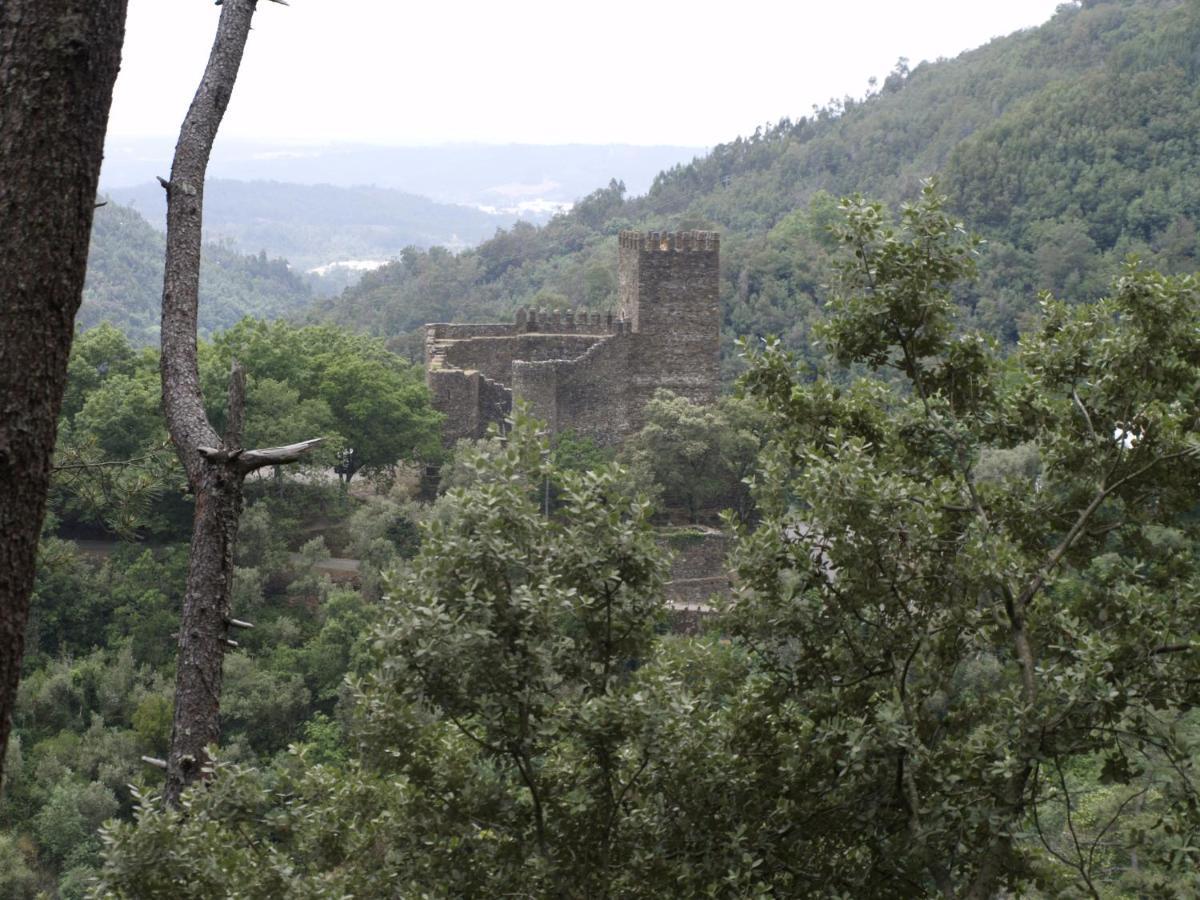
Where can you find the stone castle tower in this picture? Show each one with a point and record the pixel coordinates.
(591, 373)
(668, 290)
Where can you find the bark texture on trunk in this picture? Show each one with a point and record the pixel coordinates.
(216, 466)
(58, 62)
(202, 628)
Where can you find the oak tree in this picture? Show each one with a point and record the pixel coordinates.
(975, 574)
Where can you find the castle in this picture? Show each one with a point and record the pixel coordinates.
(590, 373)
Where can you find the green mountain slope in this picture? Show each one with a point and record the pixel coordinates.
(314, 225)
(125, 272)
(1067, 146)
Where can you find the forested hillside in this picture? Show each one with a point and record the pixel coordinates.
(1067, 147)
(125, 273)
(313, 225)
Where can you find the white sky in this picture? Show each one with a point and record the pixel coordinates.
(537, 71)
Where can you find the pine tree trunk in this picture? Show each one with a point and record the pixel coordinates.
(58, 62)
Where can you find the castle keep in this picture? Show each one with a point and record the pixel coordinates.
(590, 373)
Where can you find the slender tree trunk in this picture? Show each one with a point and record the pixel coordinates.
(216, 467)
(58, 62)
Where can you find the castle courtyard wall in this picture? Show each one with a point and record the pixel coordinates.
(586, 395)
(494, 355)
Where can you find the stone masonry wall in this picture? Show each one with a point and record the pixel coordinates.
(494, 356)
(585, 394)
(671, 294)
(698, 568)
(536, 384)
(469, 367)
(455, 394)
(588, 372)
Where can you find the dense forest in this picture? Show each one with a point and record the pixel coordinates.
(97, 678)
(1067, 147)
(125, 274)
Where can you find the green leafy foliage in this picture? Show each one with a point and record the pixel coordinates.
(17, 880)
(117, 470)
(959, 635)
(125, 274)
(96, 691)
(697, 456)
(961, 658)
(510, 671)
(376, 402)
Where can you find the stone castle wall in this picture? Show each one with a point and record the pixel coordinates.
(699, 570)
(494, 356)
(583, 394)
(594, 374)
(589, 372)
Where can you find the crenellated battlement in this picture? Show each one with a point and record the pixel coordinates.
(530, 319)
(671, 241)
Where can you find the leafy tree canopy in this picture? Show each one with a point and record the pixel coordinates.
(982, 579)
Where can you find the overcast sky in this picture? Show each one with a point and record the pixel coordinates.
(537, 71)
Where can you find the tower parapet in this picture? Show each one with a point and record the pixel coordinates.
(664, 241)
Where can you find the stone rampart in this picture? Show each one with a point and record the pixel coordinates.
(455, 393)
(699, 566)
(678, 241)
(450, 331)
(495, 404)
(476, 400)
(494, 356)
(585, 394)
(697, 552)
(556, 321)
(697, 593)
(586, 371)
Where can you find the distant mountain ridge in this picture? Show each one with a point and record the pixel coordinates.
(263, 236)
(495, 175)
(315, 225)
